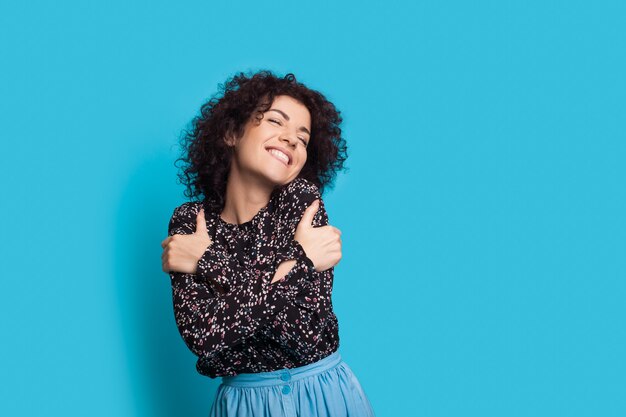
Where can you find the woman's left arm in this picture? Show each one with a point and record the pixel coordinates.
(302, 322)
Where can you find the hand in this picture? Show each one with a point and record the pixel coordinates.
(181, 253)
(321, 244)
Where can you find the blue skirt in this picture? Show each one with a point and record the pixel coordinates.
(326, 388)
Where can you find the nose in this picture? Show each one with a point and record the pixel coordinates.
(290, 139)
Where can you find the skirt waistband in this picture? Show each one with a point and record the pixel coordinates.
(285, 375)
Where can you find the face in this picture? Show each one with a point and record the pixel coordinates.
(274, 149)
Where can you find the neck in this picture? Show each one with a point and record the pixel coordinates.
(245, 197)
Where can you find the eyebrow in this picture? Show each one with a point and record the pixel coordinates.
(301, 128)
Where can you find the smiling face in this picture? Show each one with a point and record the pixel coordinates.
(274, 149)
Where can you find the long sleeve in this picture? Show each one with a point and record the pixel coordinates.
(209, 320)
(301, 323)
(302, 320)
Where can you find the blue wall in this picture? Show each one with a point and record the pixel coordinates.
(483, 210)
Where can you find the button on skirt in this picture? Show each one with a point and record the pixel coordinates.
(324, 388)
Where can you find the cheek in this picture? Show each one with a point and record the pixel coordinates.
(302, 157)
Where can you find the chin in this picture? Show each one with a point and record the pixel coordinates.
(278, 176)
(276, 179)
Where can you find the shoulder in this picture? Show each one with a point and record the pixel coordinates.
(183, 218)
(295, 197)
(299, 191)
(187, 209)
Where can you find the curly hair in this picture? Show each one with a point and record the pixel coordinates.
(206, 157)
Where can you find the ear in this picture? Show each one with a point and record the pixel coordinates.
(229, 139)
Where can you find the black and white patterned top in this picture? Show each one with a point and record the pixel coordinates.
(229, 313)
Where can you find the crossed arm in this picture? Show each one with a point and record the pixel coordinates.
(212, 314)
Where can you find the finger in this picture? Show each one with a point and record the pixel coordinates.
(309, 213)
(201, 222)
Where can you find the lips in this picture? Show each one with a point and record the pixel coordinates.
(285, 151)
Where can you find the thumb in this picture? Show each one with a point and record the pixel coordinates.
(309, 214)
(201, 222)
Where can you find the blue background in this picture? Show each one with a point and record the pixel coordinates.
(483, 209)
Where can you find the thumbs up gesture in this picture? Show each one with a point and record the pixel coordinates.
(181, 253)
(321, 244)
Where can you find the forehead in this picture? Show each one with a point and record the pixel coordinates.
(295, 110)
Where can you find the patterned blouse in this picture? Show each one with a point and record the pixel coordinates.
(230, 314)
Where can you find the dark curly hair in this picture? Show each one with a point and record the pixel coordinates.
(206, 157)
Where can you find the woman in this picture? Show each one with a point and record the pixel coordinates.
(251, 265)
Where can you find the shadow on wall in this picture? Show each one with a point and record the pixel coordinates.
(161, 369)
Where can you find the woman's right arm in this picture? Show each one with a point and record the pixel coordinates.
(300, 324)
(210, 321)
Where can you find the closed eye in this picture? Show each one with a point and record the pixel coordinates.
(304, 142)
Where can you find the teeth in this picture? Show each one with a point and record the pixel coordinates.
(280, 154)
